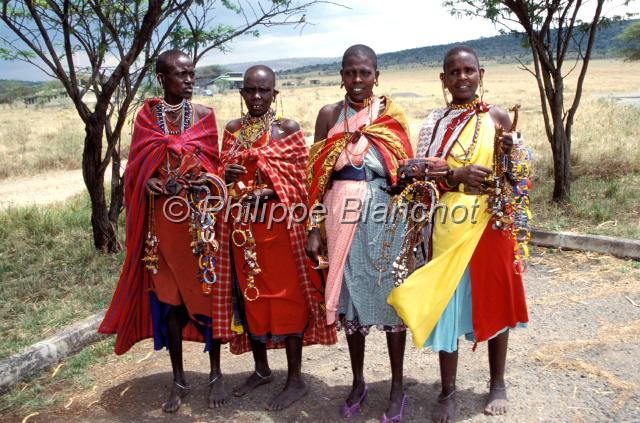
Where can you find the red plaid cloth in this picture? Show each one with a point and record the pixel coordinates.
(284, 161)
(129, 315)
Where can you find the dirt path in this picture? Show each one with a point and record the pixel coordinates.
(44, 188)
(577, 362)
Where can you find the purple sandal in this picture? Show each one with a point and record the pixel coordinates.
(350, 411)
(397, 418)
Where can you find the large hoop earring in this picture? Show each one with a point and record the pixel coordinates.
(481, 90)
(444, 94)
(341, 84)
(376, 83)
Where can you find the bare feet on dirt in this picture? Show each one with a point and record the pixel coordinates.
(497, 402)
(178, 391)
(446, 407)
(256, 379)
(217, 393)
(292, 392)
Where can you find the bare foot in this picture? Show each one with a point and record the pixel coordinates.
(445, 410)
(497, 402)
(217, 393)
(357, 389)
(256, 379)
(178, 391)
(292, 392)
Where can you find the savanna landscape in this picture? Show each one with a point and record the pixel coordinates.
(577, 361)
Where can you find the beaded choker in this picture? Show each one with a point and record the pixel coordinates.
(253, 128)
(468, 106)
(186, 109)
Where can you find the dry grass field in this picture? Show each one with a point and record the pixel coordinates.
(606, 160)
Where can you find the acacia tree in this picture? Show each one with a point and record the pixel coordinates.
(631, 37)
(555, 36)
(108, 48)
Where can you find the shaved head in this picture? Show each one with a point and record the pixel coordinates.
(162, 64)
(362, 51)
(256, 69)
(456, 50)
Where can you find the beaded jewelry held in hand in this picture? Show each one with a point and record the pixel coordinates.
(202, 226)
(423, 193)
(508, 188)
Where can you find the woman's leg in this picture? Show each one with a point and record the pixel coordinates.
(262, 372)
(295, 388)
(217, 393)
(445, 411)
(356, 342)
(179, 388)
(396, 342)
(497, 402)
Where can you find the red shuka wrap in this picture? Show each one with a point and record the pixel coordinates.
(129, 316)
(284, 162)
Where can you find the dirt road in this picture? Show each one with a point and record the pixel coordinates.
(577, 362)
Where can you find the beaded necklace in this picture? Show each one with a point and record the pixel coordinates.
(465, 157)
(348, 103)
(252, 129)
(186, 114)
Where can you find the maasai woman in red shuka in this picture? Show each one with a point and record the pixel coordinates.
(173, 141)
(265, 159)
(470, 287)
(359, 142)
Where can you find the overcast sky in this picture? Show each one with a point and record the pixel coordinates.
(385, 25)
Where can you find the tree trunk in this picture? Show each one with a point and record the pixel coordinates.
(105, 235)
(117, 188)
(561, 164)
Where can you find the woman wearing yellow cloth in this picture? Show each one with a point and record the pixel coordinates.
(469, 287)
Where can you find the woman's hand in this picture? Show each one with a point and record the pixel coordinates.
(314, 246)
(506, 140)
(233, 172)
(472, 176)
(154, 186)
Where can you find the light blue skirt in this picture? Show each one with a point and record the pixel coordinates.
(456, 320)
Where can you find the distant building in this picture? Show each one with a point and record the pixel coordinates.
(226, 81)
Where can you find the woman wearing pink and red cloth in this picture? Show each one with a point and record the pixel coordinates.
(173, 141)
(359, 142)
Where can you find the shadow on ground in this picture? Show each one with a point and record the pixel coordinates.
(140, 400)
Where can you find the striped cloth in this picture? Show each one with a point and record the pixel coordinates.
(284, 161)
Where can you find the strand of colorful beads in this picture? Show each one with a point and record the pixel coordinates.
(202, 226)
(419, 193)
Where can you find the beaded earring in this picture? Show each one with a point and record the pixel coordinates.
(481, 90)
(241, 106)
(444, 94)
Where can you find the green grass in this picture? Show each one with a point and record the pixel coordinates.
(44, 390)
(598, 205)
(51, 274)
